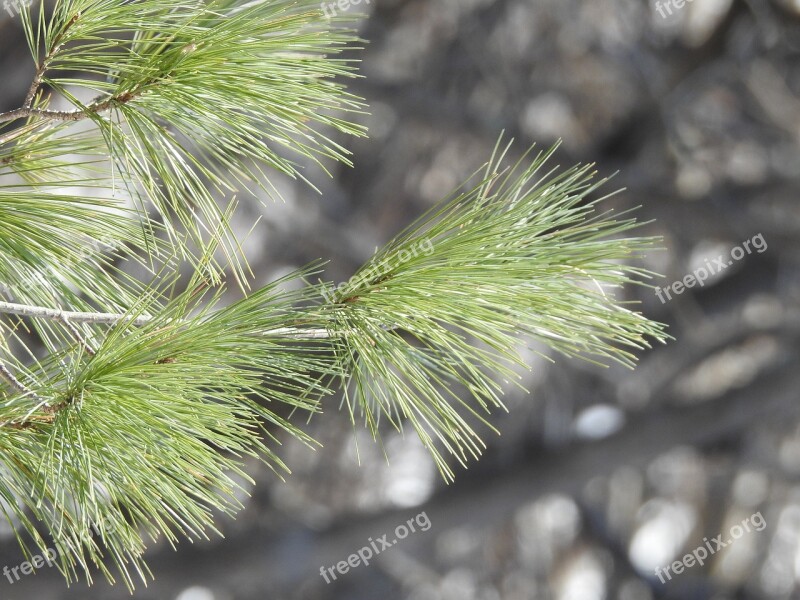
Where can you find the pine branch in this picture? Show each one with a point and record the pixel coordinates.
(238, 86)
(16, 383)
(95, 108)
(99, 318)
(162, 412)
(137, 419)
(517, 254)
(57, 314)
(129, 413)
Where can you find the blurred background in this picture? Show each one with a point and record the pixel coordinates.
(599, 476)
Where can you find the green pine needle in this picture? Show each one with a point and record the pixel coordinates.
(440, 310)
(147, 437)
(131, 405)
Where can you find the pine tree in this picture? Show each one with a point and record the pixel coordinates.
(130, 401)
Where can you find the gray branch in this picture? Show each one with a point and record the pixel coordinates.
(100, 318)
